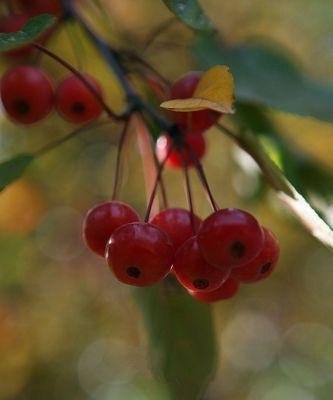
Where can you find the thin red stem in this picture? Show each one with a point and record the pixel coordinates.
(157, 181)
(78, 74)
(188, 191)
(118, 161)
(202, 176)
(162, 186)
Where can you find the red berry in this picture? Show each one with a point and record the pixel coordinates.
(102, 220)
(176, 223)
(194, 272)
(230, 238)
(191, 122)
(27, 94)
(14, 23)
(196, 142)
(228, 289)
(37, 7)
(75, 102)
(139, 254)
(263, 265)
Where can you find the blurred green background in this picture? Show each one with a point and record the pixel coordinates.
(68, 330)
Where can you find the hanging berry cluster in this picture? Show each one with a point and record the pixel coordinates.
(209, 258)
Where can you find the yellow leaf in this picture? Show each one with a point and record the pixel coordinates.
(215, 91)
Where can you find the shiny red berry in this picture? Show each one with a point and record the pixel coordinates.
(191, 122)
(263, 265)
(139, 254)
(176, 223)
(14, 23)
(37, 7)
(230, 238)
(102, 220)
(228, 290)
(27, 94)
(196, 142)
(193, 272)
(75, 102)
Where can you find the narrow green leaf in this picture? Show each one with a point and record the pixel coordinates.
(306, 173)
(190, 12)
(12, 169)
(32, 30)
(182, 344)
(295, 202)
(265, 75)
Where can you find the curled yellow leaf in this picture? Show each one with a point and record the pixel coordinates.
(215, 91)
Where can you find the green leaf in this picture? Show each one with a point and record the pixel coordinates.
(307, 174)
(265, 75)
(295, 202)
(32, 30)
(190, 12)
(181, 339)
(12, 169)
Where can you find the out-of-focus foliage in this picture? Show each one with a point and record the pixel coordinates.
(182, 339)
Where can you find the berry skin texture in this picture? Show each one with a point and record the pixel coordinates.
(230, 238)
(102, 220)
(27, 94)
(228, 290)
(263, 265)
(14, 23)
(176, 223)
(196, 142)
(193, 272)
(37, 7)
(139, 254)
(75, 102)
(191, 122)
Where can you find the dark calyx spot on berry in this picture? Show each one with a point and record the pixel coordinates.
(133, 272)
(21, 106)
(78, 108)
(201, 283)
(265, 268)
(237, 250)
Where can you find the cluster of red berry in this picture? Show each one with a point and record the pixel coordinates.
(27, 92)
(28, 95)
(229, 248)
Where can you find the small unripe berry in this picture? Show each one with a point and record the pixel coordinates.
(139, 254)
